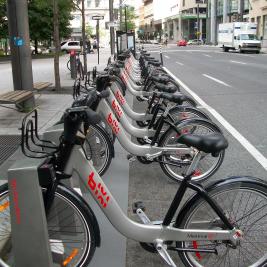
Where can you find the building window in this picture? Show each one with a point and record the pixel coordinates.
(97, 2)
(183, 2)
(89, 2)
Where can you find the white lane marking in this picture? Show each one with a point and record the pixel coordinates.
(207, 55)
(181, 50)
(167, 57)
(238, 62)
(216, 80)
(179, 63)
(238, 136)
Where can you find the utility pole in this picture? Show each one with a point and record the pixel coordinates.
(213, 22)
(18, 25)
(121, 15)
(241, 10)
(112, 33)
(125, 11)
(198, 24)
(84, 39)
(225, 11)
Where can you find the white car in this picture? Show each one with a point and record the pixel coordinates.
(67, 46)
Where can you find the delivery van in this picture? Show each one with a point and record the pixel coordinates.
(240, 36)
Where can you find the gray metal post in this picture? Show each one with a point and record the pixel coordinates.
(198, 24)
(225, 11)
(125, 11)
(30, 240)
(213, 22)
(97, 36)
(121, 15)
(73, 69)
(241, 10)
(84, 39)
(112, 34)
(18, 25)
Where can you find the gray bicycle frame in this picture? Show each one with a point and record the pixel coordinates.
(53, 134)
(121, 115)
(133, 115)
(140, 232)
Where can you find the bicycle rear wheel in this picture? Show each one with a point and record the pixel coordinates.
(70, 229)
(175, 166)
(245, 205)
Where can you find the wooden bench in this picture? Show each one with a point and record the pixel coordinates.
(15, 97)
(41, 85)
(18, 96)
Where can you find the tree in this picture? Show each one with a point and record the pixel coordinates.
(41, 19)
(89, 30)
(3, 23)
(130, 17)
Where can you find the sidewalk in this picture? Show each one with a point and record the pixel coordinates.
(50, 105)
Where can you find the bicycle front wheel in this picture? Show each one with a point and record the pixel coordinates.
(245, 205)
(70, 229)
(99, 148)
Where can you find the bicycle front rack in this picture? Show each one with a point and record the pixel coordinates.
(32, 145)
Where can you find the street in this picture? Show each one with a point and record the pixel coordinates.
(231, 86)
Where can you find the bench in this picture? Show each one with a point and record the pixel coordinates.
(41, 85)
(18, 96)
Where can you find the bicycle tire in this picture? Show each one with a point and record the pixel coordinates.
(68, 212)
(99, 148)
(68, 65)
(208, 164)
(241, 199)
(179, 113)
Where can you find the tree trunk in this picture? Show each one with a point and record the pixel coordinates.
(56, 44)
(84, 39)
(35, 46)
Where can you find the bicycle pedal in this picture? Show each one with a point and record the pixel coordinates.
(138, 205)
(162, 250)
(131, 158)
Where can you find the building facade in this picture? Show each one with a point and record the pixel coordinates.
(223, 11)
(93, 7)
(258, 14)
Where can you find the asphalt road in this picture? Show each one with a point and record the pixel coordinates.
(229, 84)
(233, 84)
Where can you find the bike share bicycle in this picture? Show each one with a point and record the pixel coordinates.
(219, 225)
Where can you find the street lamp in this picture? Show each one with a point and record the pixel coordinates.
(125, 10)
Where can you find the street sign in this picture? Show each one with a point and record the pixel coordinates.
(98, 17)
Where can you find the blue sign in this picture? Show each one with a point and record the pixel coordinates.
(18, 41)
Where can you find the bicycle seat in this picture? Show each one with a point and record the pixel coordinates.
(175, 98)
(212, 143)
(165, 88)
(160, 79)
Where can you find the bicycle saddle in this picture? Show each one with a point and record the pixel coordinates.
(165, 88)
(175, 98)
(160, 79)
(212, 143)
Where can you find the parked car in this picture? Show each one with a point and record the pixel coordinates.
(182, 43)
(67, 46)
(154, 42)
(39, 50)
(195, 42)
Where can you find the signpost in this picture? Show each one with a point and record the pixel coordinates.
(97, 18)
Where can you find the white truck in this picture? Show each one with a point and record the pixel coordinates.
(239, 36)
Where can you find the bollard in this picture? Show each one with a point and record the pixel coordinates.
(160, 52)
(73, 69)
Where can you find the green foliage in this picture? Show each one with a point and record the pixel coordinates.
(89, 30)
(130, 16)
(41, 19)
(3, 20)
